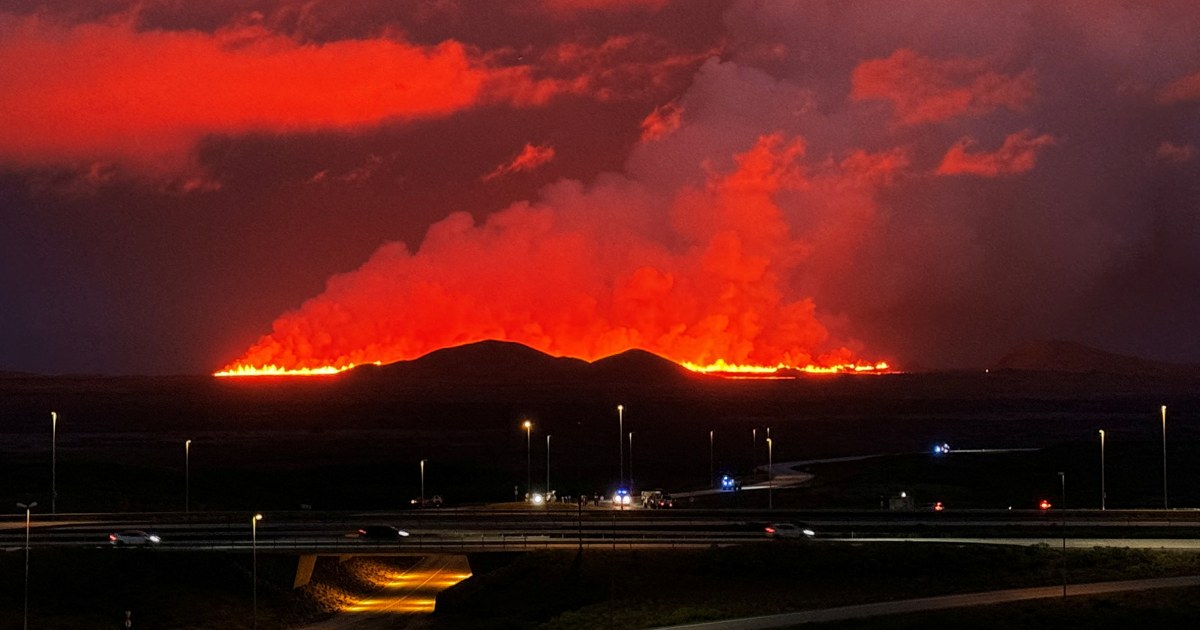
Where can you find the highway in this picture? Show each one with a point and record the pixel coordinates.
(469, 530)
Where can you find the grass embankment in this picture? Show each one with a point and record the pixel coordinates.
(92, 588)
(623, 589)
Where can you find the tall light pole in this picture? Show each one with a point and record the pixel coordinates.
(53, 463)
(547, 467)
(25, 623)
(770, 474)
(423, 482)
(1062, 478)
(1103, 494)
(528, 460)
(254, 564)
(1164, 441)
(753, 449)
(187, 476)
(621, 445)
(712, 479)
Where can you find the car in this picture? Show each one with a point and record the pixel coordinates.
(435, 501)
(133, 537)
(729, 484)
(381, 532)
(789, 530)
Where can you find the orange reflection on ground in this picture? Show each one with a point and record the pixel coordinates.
(414, 590)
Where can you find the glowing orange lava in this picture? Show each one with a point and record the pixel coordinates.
(275, 370)
(751, 371)
(720, 368)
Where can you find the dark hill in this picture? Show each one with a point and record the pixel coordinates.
(636, 365)
(1075, 358)
(488, 362)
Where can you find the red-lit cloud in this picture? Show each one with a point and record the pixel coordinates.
(147, 97)
(1182, 90)
(1175, 153)
(661, 122)
(1018, 154)
(111, 93)
(607, 6)
(530, 157)
(923, 90)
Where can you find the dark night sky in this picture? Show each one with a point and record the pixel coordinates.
(186, 185)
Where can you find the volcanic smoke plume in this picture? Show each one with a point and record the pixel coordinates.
(578, 275)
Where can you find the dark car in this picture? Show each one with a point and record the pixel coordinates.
(133, 537)
(385, 533)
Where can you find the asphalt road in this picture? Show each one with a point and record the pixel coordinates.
(486, 529)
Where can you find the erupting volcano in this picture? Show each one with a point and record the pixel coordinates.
(703, 276)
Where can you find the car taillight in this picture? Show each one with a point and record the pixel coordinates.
(770, 530)
(362, 532)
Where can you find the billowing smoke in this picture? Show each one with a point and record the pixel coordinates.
(579, 274)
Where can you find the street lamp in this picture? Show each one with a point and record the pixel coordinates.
(254, 563)
(27, 508)
(1062, 477)
(1164, 442)
(53, 463)
(528, 460)
(621, 445)
(547, 467)
(770, 475)
(423, 482)
(1103, 494)
(187, 475)
(753, 450)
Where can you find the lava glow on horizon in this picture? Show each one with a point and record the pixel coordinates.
(275, 370)
(717, 368)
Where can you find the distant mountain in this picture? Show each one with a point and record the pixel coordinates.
(1070, 357)
(505, 362)
(638, 365)
(484, 361)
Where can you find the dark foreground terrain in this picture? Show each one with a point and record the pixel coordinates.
(354, 441)
(599, 589)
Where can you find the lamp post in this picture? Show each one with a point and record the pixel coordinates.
(1062, 478)
(621, 445)
(1103, 494)
(423, 482)
(528, 459)
(1164, 449)
(753, 450)
(30, 506)
(547, 467)
(187, 476)
(254, 564)
(770, 475)
(53, 463)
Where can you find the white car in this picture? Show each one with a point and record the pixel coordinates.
(133, 537)
(788, 530)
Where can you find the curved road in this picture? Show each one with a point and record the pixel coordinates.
(859, 611)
